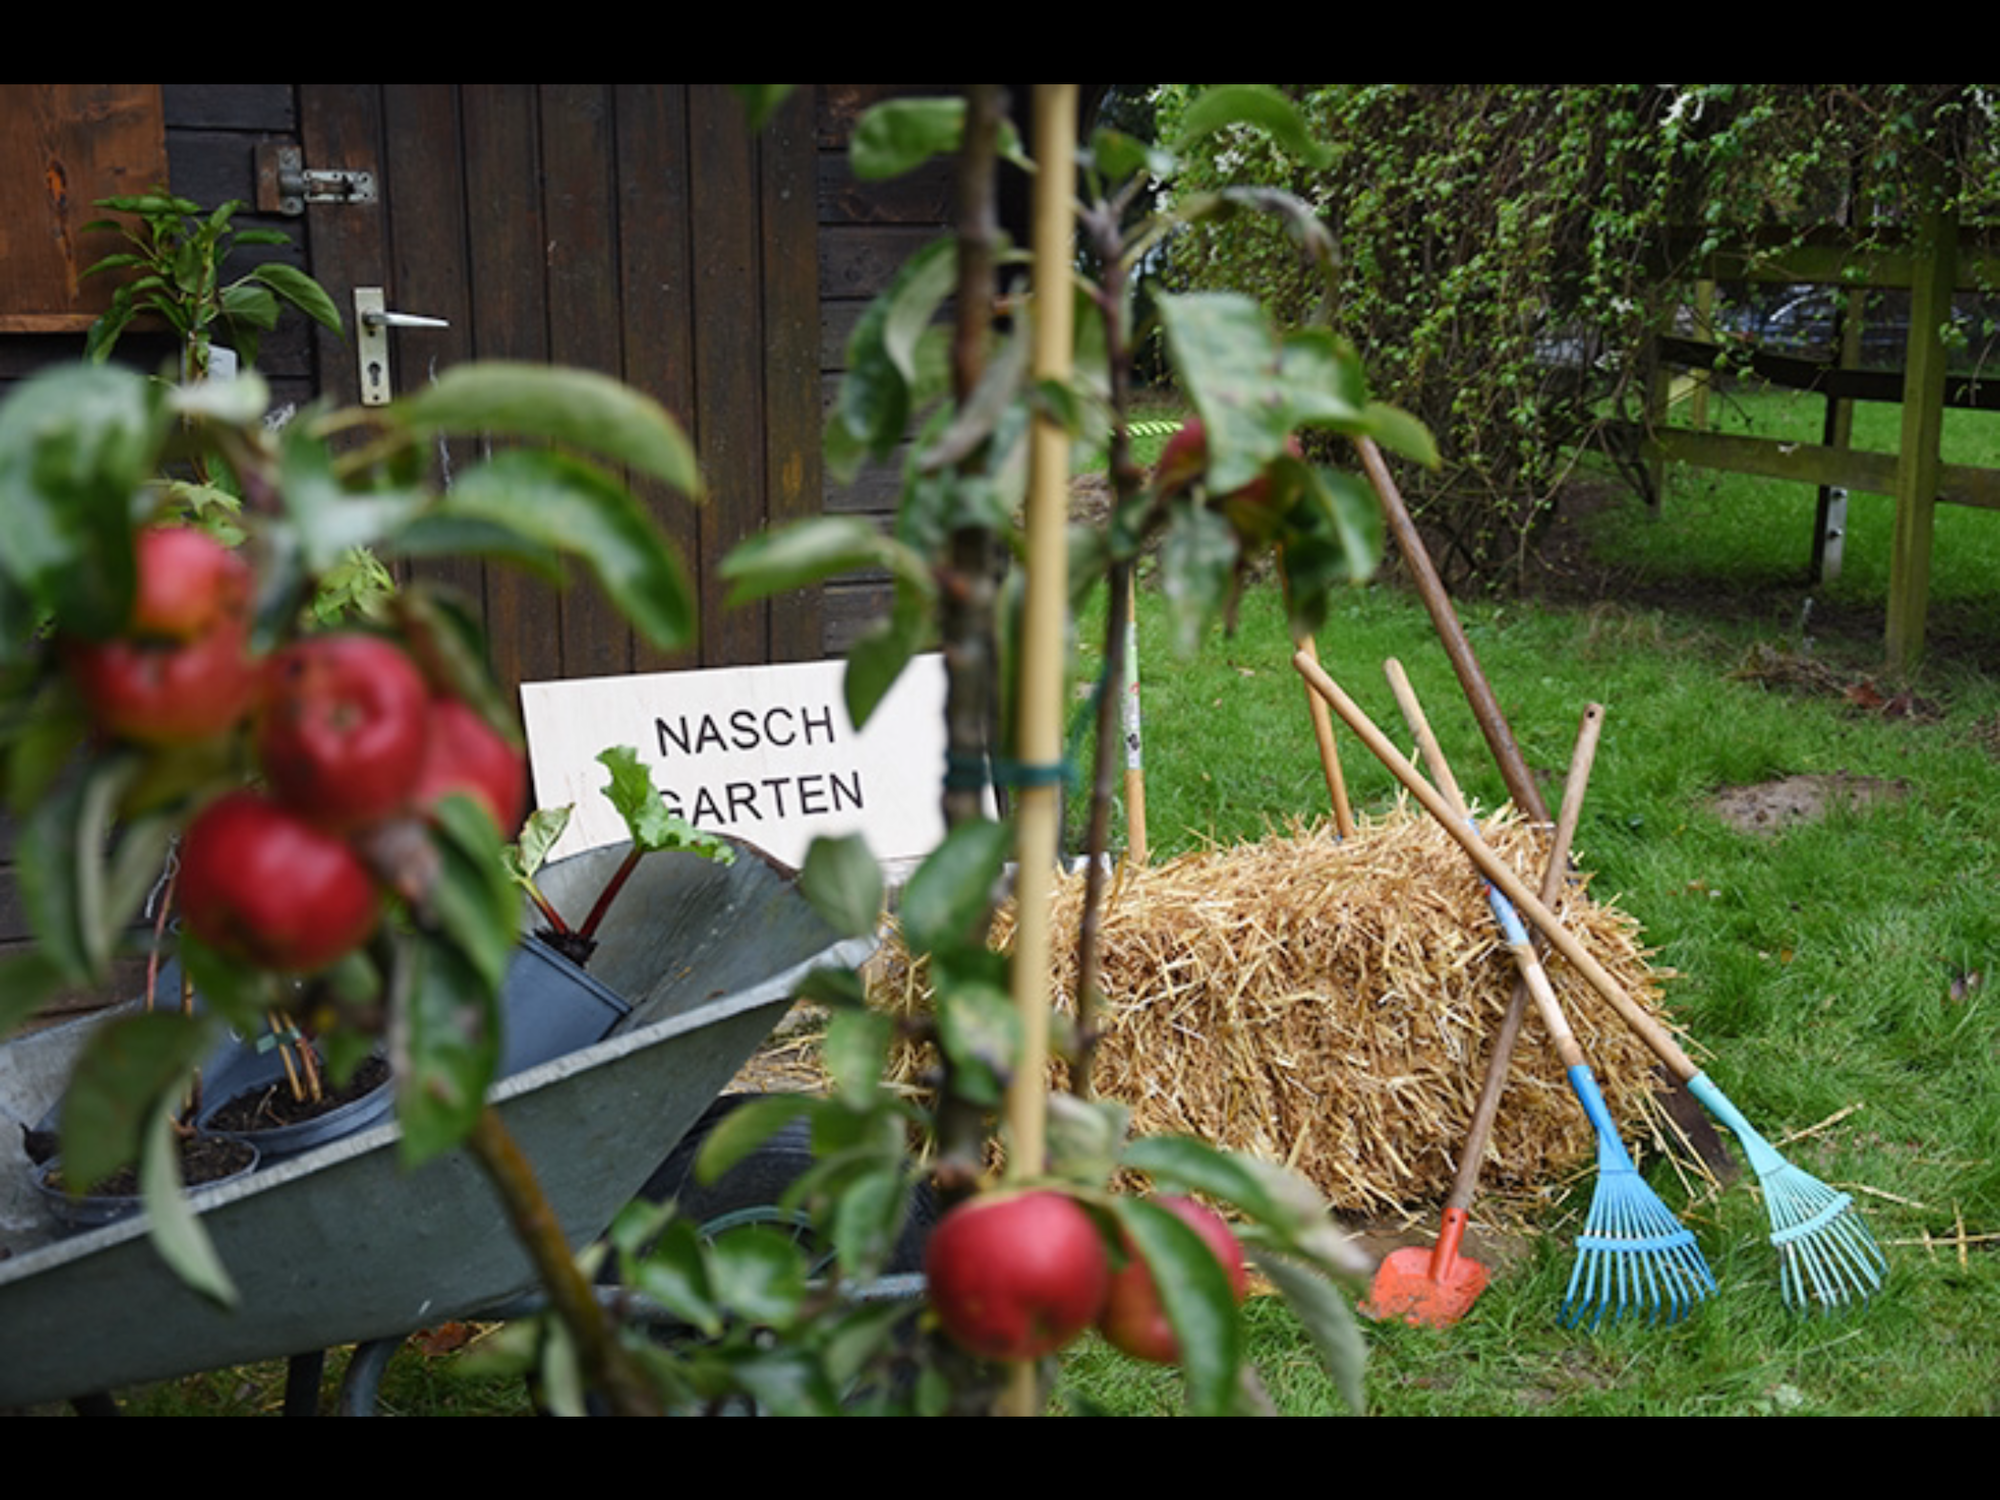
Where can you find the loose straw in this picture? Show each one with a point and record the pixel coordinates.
(1038, 808)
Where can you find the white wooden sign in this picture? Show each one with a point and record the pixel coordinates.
(767, 754)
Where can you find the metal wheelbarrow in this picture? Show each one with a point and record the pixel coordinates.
(341, 1245)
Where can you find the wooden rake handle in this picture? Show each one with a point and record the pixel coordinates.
(1554, 875)
(1518, 942)
(1496, 870)
(1457, 648)
(1329, 753)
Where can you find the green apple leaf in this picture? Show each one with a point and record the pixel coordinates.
(581, 408)
(563, 505)
(1194, 1292)
(844, 884)
(78, 444)
(171, 1222)
(953, 887)
(445, 1026)
(133, 1065)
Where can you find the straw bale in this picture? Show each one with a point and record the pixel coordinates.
(1331, 1003)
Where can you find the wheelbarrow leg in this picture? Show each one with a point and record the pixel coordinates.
(302, 1377)
(364, 1376)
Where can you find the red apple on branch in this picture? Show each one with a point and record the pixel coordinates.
(1133, 1320)
(1184, 460)
(468, 755)
(1016, 1275)
(344, 733)
(259, 883)
(182, 670)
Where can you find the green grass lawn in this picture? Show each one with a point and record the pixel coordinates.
(1842, 966)
(1842, 971)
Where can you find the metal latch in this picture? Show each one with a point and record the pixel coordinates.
(372, 322)
(285, 186)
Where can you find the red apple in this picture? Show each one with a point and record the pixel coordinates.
(182, 670)
(345, 728)
(261, 884)
(187, 583)
(1185, 457)
(469, 755)
(1185, 460)
(1133, 1320)
(1016, 1275)
(163, 693)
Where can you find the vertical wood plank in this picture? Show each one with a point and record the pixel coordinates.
(1918, 460)
(790, 254)
(341, 128)
(424, 195)
(579, 175)
(729, 340)
(507, 255)
(656, 251)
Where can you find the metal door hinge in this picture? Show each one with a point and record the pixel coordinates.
(285, 186)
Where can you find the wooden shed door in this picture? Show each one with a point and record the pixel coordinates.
(641, 230)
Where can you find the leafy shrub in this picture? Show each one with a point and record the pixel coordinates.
(1506, 249)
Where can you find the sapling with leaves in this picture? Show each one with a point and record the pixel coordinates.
(1256, 388)
(653, 829)
(178, 252)
(399, 922)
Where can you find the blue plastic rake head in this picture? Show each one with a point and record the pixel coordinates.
(1826, 1256)
(1633, 1256)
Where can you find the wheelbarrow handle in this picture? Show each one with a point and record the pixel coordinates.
(1497, 871)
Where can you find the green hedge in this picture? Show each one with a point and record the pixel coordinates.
(1503, 246)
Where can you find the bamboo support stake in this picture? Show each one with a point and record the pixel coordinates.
(1038, 807)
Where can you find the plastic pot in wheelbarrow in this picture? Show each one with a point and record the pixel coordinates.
(341, 1244)
(549, 1008)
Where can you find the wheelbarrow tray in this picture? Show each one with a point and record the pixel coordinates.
(343, 1244)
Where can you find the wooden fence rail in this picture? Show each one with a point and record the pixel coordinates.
(1938, 260)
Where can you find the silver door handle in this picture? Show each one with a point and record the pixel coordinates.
(378, 319)
(371, 341)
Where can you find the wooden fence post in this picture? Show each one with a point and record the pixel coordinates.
(1918, 461)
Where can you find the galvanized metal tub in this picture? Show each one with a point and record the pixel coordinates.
(341, 1244)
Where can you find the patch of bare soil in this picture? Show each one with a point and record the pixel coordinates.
(1773, 806)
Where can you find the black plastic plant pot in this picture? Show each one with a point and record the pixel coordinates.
(91, 1210)
(243, 1071)
(550, 1007)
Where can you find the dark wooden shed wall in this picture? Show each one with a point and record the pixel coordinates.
(846, 247)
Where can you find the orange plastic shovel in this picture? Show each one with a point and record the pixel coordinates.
(1436, 1287)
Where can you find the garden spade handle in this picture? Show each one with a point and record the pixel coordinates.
(1554, 875)
(1485, 709)
(1496, 870)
